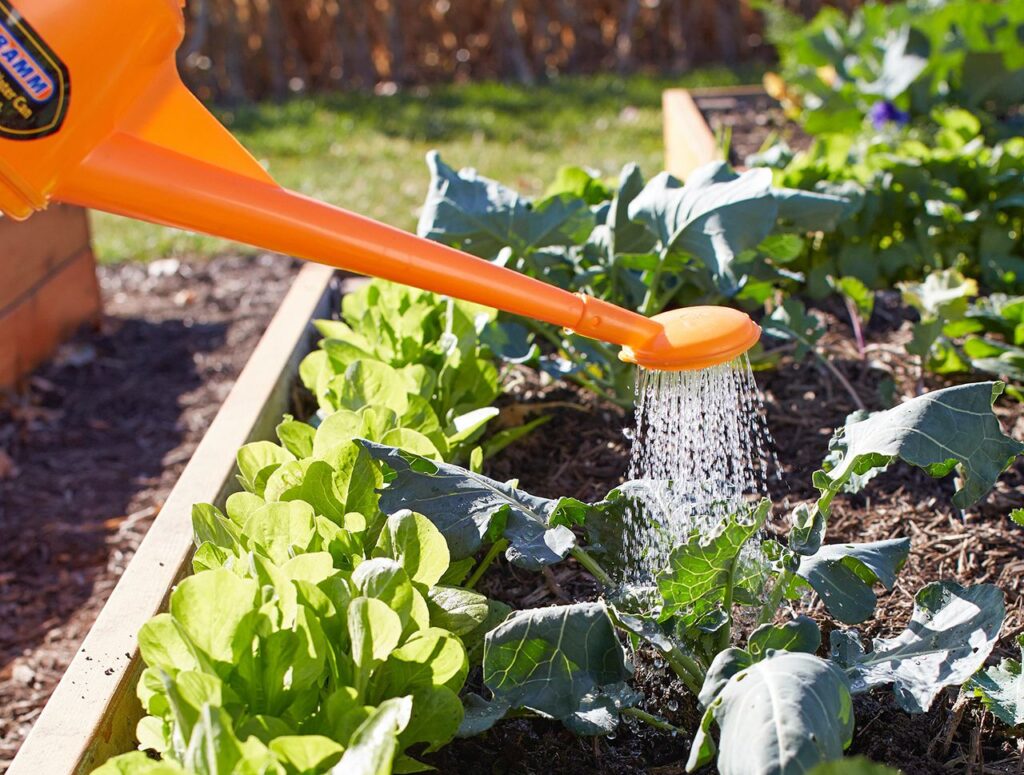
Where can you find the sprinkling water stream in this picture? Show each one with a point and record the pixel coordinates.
(701, 451)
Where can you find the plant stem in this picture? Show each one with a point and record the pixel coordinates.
(592, 383)
(496, 548)
(687, 668)
(842, 380)
(650, 303)
(605, 392)
(771, 605)
(651, 720)
(592, 566)
(725, 634)
(858, 330)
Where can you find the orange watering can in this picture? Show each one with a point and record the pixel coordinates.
(93, 113)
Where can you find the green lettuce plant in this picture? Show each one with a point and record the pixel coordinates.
(317, 633)
(409, 368)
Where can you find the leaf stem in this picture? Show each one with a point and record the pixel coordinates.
(496, 548)
(650, 302)
(650, 719)
(606, 392)
(842, 379)
(592, 566)
(858, 329)
(687, 668)
(601, 387)
(725, 634)
(771, 605)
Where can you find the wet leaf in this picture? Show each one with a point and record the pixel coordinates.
(782, 715)
(701, 570)
(951, 633)
(948, 429)
(564, 662)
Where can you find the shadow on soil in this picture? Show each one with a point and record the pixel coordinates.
(88, 442)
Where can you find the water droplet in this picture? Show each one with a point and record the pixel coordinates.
(701, 450)
(672, 705)
(659, 664)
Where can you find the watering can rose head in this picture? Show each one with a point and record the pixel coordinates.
(695, 338)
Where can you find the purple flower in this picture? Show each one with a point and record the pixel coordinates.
(884, 112)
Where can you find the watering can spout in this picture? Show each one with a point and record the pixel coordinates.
(149, 150)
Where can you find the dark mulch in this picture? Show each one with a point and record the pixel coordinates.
(749, 120)
(582, 453)
(89, 453)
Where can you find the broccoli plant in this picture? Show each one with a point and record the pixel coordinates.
(773, 681)
(643, 246)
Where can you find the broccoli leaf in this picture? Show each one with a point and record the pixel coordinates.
(939, 431)
(701, 570)
(952, 631)
(801, 635)
(481, 216)
(842, 575)
(563, 662)
(1001, 688)
(466, 507)
(783, 714)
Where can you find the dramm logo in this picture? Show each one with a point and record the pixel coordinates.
(23, 68)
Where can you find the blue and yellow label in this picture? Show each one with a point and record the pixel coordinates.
(33, 81)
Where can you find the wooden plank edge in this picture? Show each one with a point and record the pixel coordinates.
(745, 90)
(689, 141)
(93, 711)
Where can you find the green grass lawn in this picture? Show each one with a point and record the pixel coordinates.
(366, 153)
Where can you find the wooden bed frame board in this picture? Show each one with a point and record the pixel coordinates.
(93, 712)
(689, 141)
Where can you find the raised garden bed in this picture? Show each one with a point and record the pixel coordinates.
(699, 121)
(583, 453)
(92, 714)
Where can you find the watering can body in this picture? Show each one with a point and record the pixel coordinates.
(104, 72)
(94, 113)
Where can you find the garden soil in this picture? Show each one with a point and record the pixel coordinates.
(90, 451)
(748, 120)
